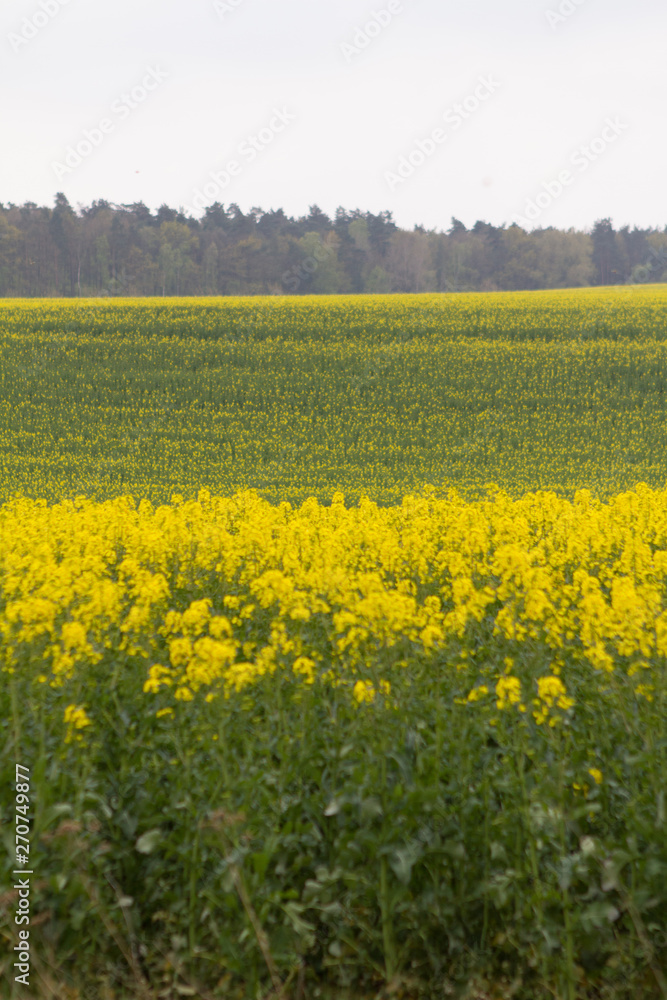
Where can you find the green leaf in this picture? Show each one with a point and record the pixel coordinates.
(370, 808)
(148, 841)
(404, 859)
(303, 928)
(260, 861)
(598, 914)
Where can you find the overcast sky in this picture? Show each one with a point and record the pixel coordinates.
(335, 103)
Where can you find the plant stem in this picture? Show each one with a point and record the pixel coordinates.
(485, 920)
(387, 929)
(567, 908)
(533, 859)
(385, 903)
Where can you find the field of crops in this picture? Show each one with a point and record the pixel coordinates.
(333, 635)
(369, 394)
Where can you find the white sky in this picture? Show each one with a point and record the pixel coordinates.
(354, 116)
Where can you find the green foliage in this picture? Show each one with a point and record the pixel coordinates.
(107, 250)
(364, 844)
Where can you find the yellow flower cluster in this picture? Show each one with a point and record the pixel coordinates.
(508, 691)
(331, 592)
(596, 775)
(365, 691)
(551, 694)
(75, 719)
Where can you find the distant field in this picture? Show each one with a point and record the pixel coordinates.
(371, 395)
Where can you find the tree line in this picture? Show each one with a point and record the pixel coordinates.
(108, 249)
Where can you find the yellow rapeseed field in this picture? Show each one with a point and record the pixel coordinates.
(333, 592)
(333, 635)
(371, 395)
